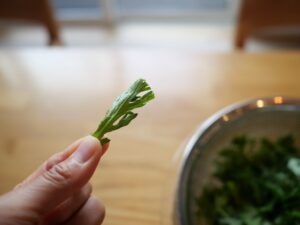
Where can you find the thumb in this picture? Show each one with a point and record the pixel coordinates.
(60, 181)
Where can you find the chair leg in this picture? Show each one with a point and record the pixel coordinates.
(51, 24)
(54, 37)
(240, 37)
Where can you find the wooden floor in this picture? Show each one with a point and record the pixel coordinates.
(200, 37)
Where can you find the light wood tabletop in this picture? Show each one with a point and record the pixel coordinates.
(51, 97)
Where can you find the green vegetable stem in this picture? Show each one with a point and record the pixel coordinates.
(121, 112)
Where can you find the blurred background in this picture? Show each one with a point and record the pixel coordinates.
(200, 25)
(62, 63)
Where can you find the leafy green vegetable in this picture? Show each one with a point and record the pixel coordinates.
(120, 114)
(255, 182)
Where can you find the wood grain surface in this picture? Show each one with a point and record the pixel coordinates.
(49, 98)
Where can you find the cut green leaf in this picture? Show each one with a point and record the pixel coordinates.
(120, 114)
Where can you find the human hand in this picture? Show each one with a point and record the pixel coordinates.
(58, 192)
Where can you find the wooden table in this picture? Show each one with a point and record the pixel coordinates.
(48, 98)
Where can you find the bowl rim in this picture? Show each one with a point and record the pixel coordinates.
(220, 117)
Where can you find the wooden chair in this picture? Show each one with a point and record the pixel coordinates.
(39, 11)
(255, 15)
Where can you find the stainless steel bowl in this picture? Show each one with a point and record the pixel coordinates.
(266, 117)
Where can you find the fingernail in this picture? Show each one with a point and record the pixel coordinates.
(87, 148)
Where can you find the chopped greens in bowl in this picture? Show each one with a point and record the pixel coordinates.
(256, 182)
(242, 167)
